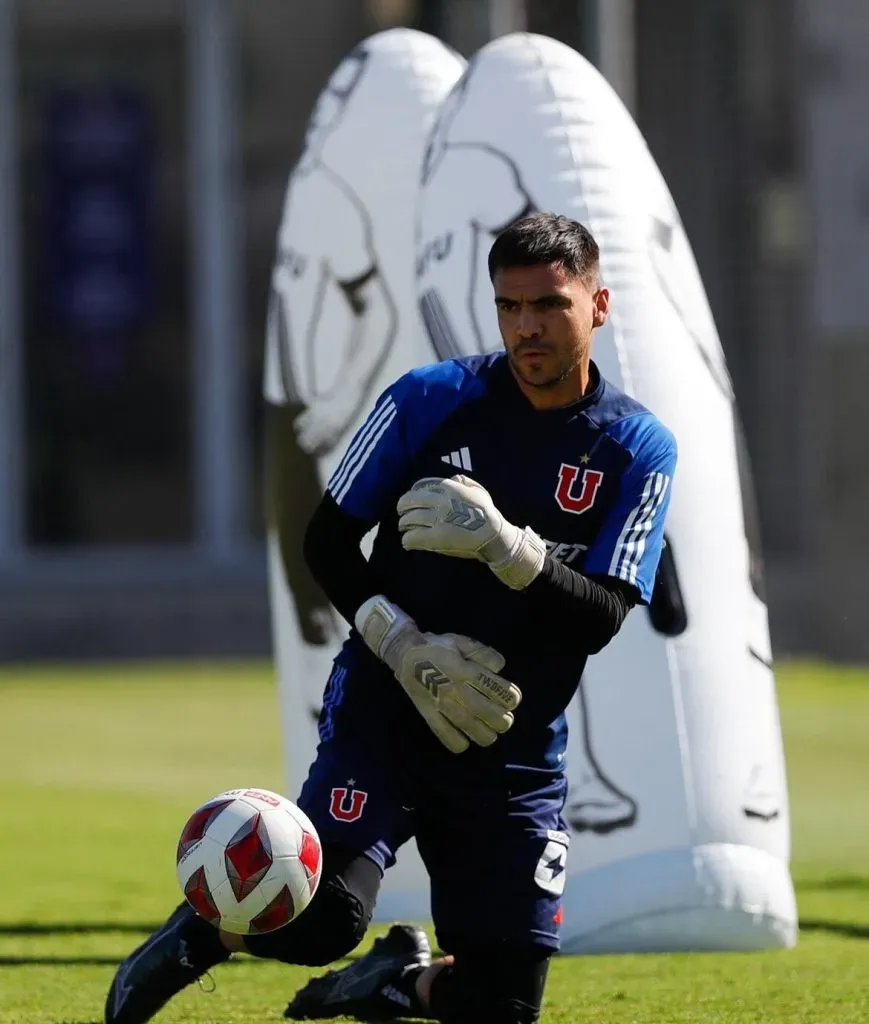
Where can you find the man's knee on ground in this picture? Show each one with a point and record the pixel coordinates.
(501, 984)
(332, 926)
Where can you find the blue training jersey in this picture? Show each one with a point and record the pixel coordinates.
(593, 479)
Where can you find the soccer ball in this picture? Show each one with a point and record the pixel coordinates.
(249, 861)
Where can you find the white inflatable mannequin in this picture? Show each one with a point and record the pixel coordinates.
(343, 324)
(683, 835)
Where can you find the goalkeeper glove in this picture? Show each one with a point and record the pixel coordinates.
(451, 679)
(456, 516)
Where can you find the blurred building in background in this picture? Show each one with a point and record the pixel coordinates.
(145, 148)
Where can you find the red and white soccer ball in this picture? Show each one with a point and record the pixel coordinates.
(249, 861)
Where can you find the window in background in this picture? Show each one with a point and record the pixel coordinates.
(105, 280)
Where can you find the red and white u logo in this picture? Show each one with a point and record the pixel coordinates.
(347, 804)
(564, 492)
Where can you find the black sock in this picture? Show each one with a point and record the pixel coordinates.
(402, 991)
(206, 949)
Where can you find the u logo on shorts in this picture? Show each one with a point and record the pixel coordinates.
(341, 809)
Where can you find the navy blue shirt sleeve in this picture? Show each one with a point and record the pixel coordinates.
(372, 473)
(374, 457)
(628, 546)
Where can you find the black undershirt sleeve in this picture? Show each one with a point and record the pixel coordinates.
(332, 552)
(590, 610)
(576, 607)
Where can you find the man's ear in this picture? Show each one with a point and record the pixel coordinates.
(601, 307)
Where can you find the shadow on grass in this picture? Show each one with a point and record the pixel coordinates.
(59, 961)
(97, 960)
(90, 960)
(850, 931)
(834, 883)
(77, 928)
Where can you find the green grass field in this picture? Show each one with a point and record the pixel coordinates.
(100, 766)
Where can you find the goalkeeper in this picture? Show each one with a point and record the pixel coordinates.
(489, 584)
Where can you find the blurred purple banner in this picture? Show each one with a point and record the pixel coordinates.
(98, 248)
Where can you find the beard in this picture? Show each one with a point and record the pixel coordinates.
(546, 371)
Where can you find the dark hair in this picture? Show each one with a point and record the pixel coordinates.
(545, 238)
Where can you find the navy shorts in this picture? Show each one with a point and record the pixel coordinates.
(494, 843)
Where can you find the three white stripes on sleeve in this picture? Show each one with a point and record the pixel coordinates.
(632, 541)
(360, 449)
(363, 445)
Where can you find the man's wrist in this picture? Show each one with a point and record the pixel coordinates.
(499, 548)
(382, 626)
(522, 559)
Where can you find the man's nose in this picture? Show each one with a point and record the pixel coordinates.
(528, 324)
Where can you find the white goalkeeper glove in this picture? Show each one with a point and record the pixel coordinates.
(451, 679)
(456, 516)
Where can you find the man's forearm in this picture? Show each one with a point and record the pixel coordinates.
(590, 610)
(332, 551)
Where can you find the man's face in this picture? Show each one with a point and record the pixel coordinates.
(546, 317)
